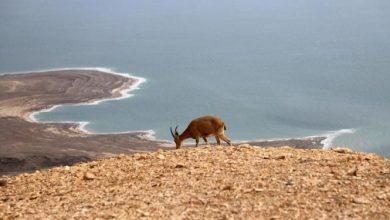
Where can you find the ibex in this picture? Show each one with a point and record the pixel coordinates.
(202, 127)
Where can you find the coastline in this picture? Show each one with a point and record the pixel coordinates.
(326, 139)
(28, 144)
(322, 141)
(124, 92)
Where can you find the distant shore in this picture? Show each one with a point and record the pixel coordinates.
(30, 145)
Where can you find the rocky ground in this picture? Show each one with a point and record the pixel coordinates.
(242, 182)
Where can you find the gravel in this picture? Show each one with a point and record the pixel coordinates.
(242, 182)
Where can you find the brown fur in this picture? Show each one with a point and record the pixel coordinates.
(202, 128)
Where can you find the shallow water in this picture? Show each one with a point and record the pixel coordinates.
(270, 69)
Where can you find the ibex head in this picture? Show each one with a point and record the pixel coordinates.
(176, 137)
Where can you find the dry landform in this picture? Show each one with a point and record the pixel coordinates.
(27, 145)
(239, 182)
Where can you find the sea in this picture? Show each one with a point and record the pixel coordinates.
(270, 69)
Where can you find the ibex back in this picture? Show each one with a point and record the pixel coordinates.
(202, 128)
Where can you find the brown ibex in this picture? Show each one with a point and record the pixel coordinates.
(202, 127)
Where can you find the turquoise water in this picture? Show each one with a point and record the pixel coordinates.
(270, 69)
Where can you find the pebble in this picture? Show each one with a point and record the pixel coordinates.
(200, 183)
(280, 157)
(227, 187)
(244, 146)
(382, 196)
(361, 201)
(179, 165)
(89, 176)
(352, 172)
(3, 182)
(143, 213)
(342, 150)
(121, 156)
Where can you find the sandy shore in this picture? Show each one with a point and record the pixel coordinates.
(28, 145)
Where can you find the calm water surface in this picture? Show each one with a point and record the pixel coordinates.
(271, 69)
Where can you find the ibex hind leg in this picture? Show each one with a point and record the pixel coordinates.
(205, 140)
(227, 140)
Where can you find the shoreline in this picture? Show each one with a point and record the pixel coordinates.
(327, 141)
(29, 144)
(124, 94)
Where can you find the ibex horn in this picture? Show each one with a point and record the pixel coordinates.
(176, 133)
(173, 135)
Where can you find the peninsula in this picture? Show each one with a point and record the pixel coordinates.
(29, 145)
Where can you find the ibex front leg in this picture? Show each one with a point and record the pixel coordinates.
(217, 139)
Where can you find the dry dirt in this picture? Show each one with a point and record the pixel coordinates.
(241, 182)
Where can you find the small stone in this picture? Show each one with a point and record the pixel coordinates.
(227, 187)
(280, 157)
(143, 213)
(121, 156)
(385, 171)
(361, 201)
(382, 196)
(244, 146)
(66, 168)
(161, 157)
(3, 182)
(259, 190)
(352, 172)
(33, 196)
(342, 150)
(140, 157)
(286, 147)
(89, 176)
(179, 165)
(93, 164)
(289, 183)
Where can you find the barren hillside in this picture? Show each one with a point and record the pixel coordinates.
(207, 183)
